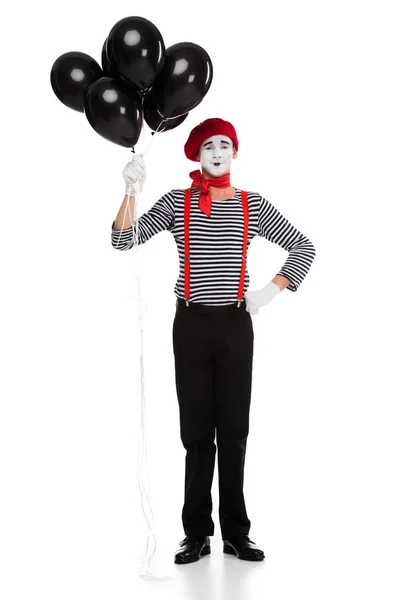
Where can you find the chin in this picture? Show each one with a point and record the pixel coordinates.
(219, 173)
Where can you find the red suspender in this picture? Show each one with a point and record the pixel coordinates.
(245, 205)
(188, 197)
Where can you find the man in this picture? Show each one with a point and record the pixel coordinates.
(213, 224)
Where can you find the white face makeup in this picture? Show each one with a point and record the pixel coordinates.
(216, 155)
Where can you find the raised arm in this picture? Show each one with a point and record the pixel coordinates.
(160, 217)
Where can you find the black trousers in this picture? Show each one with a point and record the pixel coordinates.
(213, 348)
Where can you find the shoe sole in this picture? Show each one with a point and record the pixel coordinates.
(230, 550)
(183, 561)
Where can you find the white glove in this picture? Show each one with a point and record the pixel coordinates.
(134, 175)
(258, 298)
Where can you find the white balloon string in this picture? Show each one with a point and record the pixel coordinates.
(153, 135)
(142, 471)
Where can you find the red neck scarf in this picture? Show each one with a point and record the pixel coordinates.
(205, 197)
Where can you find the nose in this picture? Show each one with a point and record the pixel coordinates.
(217, 153)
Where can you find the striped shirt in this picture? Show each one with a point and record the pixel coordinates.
(216, 243)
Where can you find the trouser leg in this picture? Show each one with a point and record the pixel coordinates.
(192, 341)
(232, 388)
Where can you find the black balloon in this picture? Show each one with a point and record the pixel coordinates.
(153, 118)
(136, 52)
(114, 111)
(71, 75)
(105, 63)
(184, 80)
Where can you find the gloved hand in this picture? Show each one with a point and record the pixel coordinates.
(258, 298)
(134, 175)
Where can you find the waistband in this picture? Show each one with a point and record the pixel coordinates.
(195, 306)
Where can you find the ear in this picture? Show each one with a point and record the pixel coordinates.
(235, 153)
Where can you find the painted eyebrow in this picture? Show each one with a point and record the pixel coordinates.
(222, 142)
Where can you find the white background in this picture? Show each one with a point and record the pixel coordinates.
(313, 90)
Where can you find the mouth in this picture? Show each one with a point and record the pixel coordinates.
(217, 164)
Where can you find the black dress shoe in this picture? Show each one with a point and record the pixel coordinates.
(192, 548)
(243, 548)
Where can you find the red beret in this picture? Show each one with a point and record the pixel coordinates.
(207, 129)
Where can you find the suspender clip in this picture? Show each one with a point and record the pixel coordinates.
(187, 302)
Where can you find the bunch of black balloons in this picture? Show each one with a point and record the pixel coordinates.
(138, 79)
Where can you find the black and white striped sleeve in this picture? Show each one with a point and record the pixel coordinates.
(160, 217)
(276, 228)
